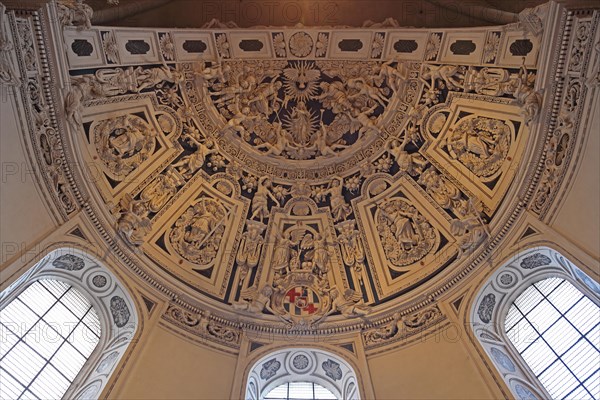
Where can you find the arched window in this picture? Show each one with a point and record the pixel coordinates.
(300, 390)
(538, 319)
(64, 326)
(301, 374)
(48, 333)
(556, 328)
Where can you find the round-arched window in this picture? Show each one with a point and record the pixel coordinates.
(48, 332)
(301, 373)
(300, 390)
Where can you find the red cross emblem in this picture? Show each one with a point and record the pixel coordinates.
(301, 300)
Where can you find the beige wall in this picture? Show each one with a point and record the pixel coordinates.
(579, 216)
(166, 366)
(434, 368)
(24, 219)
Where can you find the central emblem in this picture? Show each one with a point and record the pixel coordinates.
(301, 301)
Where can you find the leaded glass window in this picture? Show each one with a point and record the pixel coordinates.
(300, 391)
(47, 334)
(556, 329)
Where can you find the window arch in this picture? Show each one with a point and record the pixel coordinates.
(538, 318)
(71, 320)
(299, 373)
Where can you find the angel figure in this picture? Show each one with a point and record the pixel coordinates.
(470, 230)
(350, 304)
(133, 223)
(188, 165)
(446, 73)
(334, 96)
(367, 124)
(147, 78)
(236, 123)
(365, 89)
(282, 141)
(265, 94)
(394, 76)
(259, 301)
(260, 206)
(385, 332)
(321, 145)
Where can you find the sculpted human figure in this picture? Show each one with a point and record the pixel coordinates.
(410, 163)
(447, 73)
(339, 208)
(75, 13)
(367, 90)
(150, 77)
(394, 76)
(188, 165)
(202, 224)
(385, 332)
(364, 119)
(260, 302)
(282, 253)
(250, 248)
(334, 96)
(264, 95)
(349, 304)
(282, 141)
(237, 121)
(133, 222)
(127, 141)
(260, 207)
(403, 229)
(321, 255)
(321, 145)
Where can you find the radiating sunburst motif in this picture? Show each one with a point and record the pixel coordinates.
(301, 80)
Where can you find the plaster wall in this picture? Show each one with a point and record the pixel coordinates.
(24, 218)
(167, 366)
(439, 367)
(579, 217)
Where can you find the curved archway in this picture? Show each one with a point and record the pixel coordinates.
(115, 308)
(495, 299)
(311, 365)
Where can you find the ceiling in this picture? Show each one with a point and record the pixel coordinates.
(304, 175)
(196, 13)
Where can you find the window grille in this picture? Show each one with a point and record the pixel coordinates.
(47, 334)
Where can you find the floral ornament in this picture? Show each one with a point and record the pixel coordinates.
(111, 50)
(491, 47)
(319, 193)
(384, 164)
(353, 183)
(216, 161)
(279, 44)
(222, 45)
(377, 46)
(301, 44)
(321, 47)
(280, 192)
(332, 369)
(433, 46)
(249, 183)
(167, 46)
